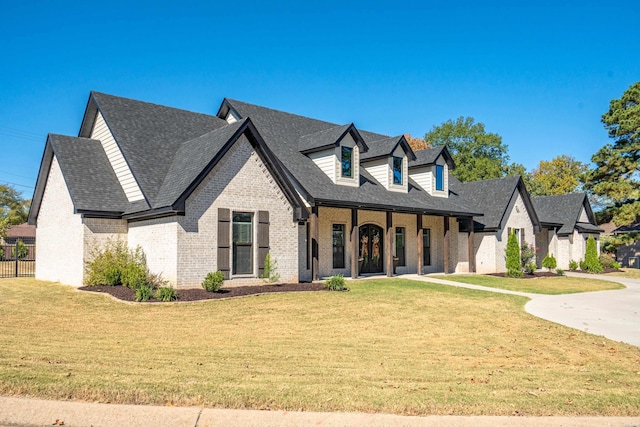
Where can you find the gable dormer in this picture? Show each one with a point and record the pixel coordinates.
(336, 151)
(430, 170)
(388, 162)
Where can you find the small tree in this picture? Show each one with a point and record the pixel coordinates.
(549, 262)
(591, 261)
(514, 268)
(21, 249)
(270, 274)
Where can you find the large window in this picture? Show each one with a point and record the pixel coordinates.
(242, 243)
(397, 170)
(400, 247)
(426, 246)
(347, 162)
(338, 245)
(439, 178)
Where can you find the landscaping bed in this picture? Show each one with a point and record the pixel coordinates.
(126, 294)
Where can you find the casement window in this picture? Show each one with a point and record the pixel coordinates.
(400, 247)
(338, 245)
(439, 178)
(397, 170)
(242, 243)
(426, 246)
(346, 162)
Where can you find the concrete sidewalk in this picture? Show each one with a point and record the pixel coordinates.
(23, 412)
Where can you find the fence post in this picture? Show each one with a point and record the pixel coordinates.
(15, 251)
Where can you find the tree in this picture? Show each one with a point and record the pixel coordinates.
(616, 176)
(560, 175)
(591, 261)
(477, 154)
(13, 209)
(513, 256)
(415, 143)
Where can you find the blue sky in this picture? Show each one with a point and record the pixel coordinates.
(539, 75)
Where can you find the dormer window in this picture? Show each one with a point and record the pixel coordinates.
(346, 162)
(397, 170)
(439, 178)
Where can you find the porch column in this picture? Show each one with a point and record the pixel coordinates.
(472, 256)
(355, 252)
(314, 243)
(447, 244)
(388, 256)
(420, 245)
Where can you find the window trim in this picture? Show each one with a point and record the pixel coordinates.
(439, 177)
(402, 260)
(401, 169)
(342, 168)
(234, 245)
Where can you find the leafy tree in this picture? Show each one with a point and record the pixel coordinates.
(591, 261)
(415, 143)
(13, 209)
(513, 256)
(616, 176)
(560, 175)
(477, 153)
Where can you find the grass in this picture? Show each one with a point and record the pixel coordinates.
(544, 285)
(629, 273)
(394, 346)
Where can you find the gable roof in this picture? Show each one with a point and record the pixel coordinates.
(429, 156)
(564, 211)
(385, 147)
(329, 138)
(492, 197)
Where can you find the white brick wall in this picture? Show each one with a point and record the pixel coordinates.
(59, 234)
(158, 238)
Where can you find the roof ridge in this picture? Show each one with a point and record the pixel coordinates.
(93, 92)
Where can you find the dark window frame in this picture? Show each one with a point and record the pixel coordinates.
(239, 245)
(350, 168)
(401, 250)
(426, 247)
(338, 245)
(439, 178)
(399, 160)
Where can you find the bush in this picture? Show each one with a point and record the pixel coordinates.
(560, 272)
(134, 275)
(143, 293)
(336, 283)
(530, 268)
(527, 253)
(1, 253)
(591, 262)
(606, 260)
(549, 262)
(573, 266)
(21, 248)
(166, 294)
(107, 264)
(615, 265)
(270, 274)
(213, 281)
(513, 256)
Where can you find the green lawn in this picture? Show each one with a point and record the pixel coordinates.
(543, 285)
(394, 346)
(629, 273)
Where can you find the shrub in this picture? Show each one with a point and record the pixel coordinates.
(143, 293)
(166, 294)
(513, 256)
(615, 265)
(549, 262)
(527, 252)
(336, 283)
(530, 268)
(573, 266)
(21, 248)
(270, 274)
(107, 264)
(591, 262)
(560, 272)
(213, 281)
(1, 253)
(134, 275)
(606, 260)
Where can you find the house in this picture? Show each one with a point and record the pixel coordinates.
(629, 255)
(24, 232)
(567, 222)
(201, 193)
(506, 207)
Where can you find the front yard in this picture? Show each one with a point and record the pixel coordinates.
(543, 285)
(394, 346)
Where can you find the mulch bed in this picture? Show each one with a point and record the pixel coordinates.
(125, 294)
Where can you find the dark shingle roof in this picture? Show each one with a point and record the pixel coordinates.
(91, 181)
(491, 197)
(150, 135)
(282, 132)
(564, 210)
(428, 156)
(323, 139)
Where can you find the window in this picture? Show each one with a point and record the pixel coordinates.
(439, 178)
(426, 246)
(400, 247)
(347, 163)
(338, 245)
(397, 170)
(242, 243)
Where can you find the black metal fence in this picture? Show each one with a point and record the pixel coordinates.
(17, 260)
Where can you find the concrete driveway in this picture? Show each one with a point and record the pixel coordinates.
(613, 314)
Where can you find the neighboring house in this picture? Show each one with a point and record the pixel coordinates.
(629, 255)
(567, 222)
(201, 193)
(506, 207)
(24, 232)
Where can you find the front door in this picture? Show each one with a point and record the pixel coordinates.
(371, 255)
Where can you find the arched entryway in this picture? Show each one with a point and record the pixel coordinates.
(371, 259)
